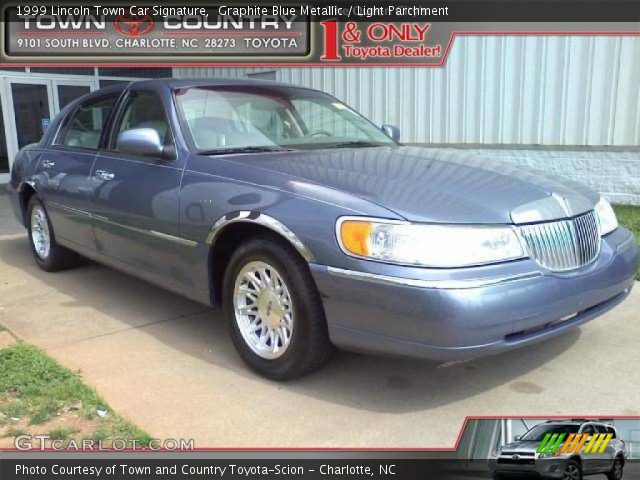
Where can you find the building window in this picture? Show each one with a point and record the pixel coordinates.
(109, 83)
(64, 70)
(4, 155)
(271, 75)
(135, 72)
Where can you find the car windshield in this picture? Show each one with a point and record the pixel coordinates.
(537, 433)
(252, 119)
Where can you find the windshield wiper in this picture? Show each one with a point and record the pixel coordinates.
(248, 149)
(356, 143)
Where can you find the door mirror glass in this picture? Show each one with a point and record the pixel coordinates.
(392, 132)
(140, 141)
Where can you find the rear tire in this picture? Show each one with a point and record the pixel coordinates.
(274, 309)
(48, 254)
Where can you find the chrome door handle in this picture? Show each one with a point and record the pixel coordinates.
(48, 164)
(104, 175)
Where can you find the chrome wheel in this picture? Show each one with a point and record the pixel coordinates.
(571, 472)
(40, 236)
(263, 309)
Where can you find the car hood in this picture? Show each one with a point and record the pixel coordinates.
(521, 447)
(433, 185)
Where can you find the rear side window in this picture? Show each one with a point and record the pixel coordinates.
(83, 128)
(612, 431)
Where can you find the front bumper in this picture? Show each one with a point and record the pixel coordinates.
(552, 467)
(466, 313)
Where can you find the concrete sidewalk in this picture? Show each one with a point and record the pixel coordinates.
(168, 365)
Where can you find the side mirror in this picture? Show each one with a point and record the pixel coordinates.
(392, 132)
(140, 141)
(517, 438)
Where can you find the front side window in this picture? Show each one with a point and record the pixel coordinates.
(231, 118)
(144, 110)
(84, 126)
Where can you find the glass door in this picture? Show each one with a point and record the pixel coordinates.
(32, 109)
(29, 109)
(31, 104)
(4, 148)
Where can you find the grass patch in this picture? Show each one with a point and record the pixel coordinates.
(64, 433)
(14, 432)
(37, 390)
(629, 217)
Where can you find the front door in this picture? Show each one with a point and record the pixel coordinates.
(135, 198)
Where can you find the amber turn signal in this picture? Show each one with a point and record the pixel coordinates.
(355, 237)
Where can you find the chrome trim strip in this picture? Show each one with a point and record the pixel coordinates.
(69, 209)
(263, 219)
(164, 236)
(172, 238)
(439, 284)
(153, 233)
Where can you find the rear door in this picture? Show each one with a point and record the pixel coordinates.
(135, 198)
(589, 460)
(606, 453)
(64, 171)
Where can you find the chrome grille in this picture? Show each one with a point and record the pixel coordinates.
(564, 244)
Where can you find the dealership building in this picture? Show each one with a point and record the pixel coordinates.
(565, 104)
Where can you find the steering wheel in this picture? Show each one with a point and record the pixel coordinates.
(317, 133)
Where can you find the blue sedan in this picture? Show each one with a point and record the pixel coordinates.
(313, 228)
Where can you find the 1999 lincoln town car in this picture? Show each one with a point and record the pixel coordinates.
(314, 228)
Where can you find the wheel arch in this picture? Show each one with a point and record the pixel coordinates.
(577, 459)
(231, 230)
(26, 190)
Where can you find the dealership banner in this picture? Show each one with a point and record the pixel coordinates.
(485, 447)
(286, 34)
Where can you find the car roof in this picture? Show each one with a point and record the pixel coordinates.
(576, 422)
(218, 81)
(174, 83)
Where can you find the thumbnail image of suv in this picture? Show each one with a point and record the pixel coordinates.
(562, 449)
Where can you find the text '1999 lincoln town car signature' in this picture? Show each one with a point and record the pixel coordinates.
(313, 228)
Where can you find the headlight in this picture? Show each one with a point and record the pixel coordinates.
(606, 217)
(546, 455)
(496, 452)
(427, 245)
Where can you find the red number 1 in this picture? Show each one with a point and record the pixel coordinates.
(330, 42)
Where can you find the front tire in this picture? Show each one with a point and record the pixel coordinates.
(272, 303)
(572, 471)
(617, 469)
(48, 254)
